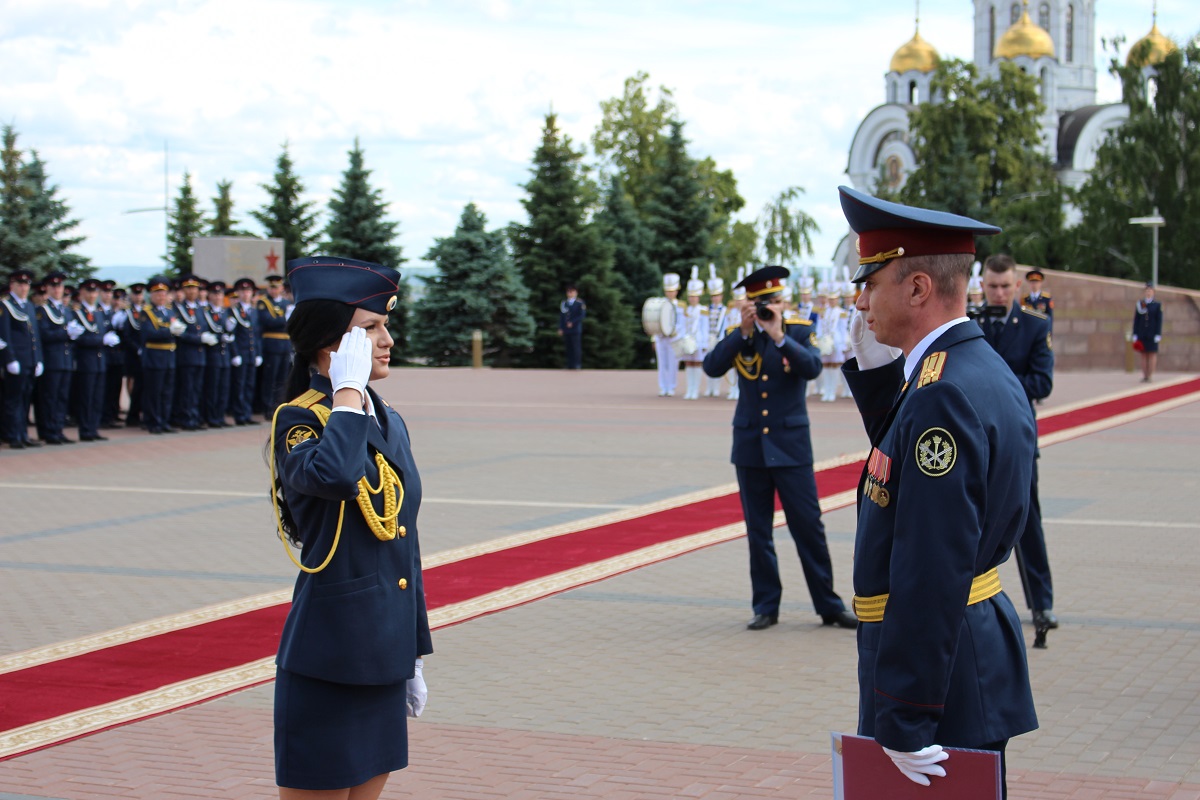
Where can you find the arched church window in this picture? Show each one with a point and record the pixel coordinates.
(912, 93)
(1016, 14)
(1070, 35)
(1042, 83)
(1044, 15)
(992, 33)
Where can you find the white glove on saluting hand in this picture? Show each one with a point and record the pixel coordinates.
(417, 692)
(350, 364)
(867, 349)
(918, 766)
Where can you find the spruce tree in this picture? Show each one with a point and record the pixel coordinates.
(286, 216)
(679, 212)
(560, 245)
(184, 223)
(636, 275)
(223, 222)
(476, 287)
(51, 214)
(358, 228)
(23, 243)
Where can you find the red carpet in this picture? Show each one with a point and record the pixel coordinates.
(71, 684)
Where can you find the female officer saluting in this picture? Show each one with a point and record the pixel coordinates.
(346, 492)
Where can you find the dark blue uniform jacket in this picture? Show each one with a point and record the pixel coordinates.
(955, 457)
(354, 622)
(58, 352)
(19, 329)
(91, 354)
(1024, 344)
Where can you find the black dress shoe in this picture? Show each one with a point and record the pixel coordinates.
(762, 622)
(33, 443)
(169, 429)
(1045, 618)
(155, 431)
(96, 438)
(842, 619)
(18, 445)
(56, 441)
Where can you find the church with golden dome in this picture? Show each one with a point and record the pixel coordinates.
(1052, 39)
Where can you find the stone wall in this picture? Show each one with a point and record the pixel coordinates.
(1094, 315)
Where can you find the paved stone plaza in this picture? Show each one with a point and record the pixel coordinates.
(645, 685)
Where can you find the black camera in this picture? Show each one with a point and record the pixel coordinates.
(762, 311)
(984, 312)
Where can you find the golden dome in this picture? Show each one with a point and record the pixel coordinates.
(1025, 39)
(1154, 53)
(916, 54)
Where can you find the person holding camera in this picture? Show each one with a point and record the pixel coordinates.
(772, 449)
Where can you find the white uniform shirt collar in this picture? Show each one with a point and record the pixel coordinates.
(918, 353)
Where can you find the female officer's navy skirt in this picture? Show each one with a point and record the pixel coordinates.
(336, 735)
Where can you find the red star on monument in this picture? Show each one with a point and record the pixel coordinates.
(272, 261)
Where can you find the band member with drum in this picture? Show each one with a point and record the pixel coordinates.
(772, 449)
(693, 344)
(718, 313)
(664, 353)
(832, 338)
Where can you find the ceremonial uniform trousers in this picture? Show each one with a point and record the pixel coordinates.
(189, 368)
(53, 391)
(1023, 341)
(114, 375)
(276, 352)
(247, 348)
(772, 453)
(664, 355)
(943, 500)
(19, 329)
(216, 368)
(158, 368)
(91, 368)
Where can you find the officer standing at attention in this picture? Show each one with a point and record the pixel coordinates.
(945, 493)
(160, 326)
(218, 321)
(131, 342)
(1037, 299)
(58, 329)
(114, 358)
(21, 351)
(1147, 331)
(190, 349)
(664, 353)
(772, 450)
(93, 348)
(571, 313)
(273, 312)
(1022, 338)
(247, 352)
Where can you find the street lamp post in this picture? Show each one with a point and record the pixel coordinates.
(1153, 222)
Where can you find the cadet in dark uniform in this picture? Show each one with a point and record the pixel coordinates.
(571, 313)
(92, 350)
(1037, 299)
(945, 493)
(350, 658)
(1022, 338)
(1147, 331)
(190, 349)
(114, 358)
(159, 327)
(772, 449)
(273, 311)
(22, 356)
(131, 342)
(57, 329)
(218, 321)
(247, 353)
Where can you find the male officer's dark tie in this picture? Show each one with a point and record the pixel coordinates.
(997, 326)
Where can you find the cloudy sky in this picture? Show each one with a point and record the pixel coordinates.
(447, 97)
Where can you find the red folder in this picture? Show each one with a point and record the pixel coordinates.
(862, 771)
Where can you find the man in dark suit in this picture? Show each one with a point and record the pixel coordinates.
(570, 326)
(21, 352)
(1022, 338)
(945, 493)
(772, 449)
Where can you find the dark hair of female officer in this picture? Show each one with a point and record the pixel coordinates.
(314, 326)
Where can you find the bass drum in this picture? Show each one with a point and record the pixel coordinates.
(658, 317)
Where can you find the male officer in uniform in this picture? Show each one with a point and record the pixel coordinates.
(1037, 299)
(571, 313)
(58, 329)
(273, 312)
(247, 352)
(22, 357)
(92, 350)
(190, 349)
(114, 359)
(218, 321)
(1022, 338)
(160, 326)
(772, 450)
(945, 493)
(131, 342)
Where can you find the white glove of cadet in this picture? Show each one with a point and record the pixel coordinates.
(417, 691)
(13, 367)
(119, 318)
(236, 361)
(3, 344)
(111, 339)
(74, 330)
(230, 323)
(867, 349)
(350, 364)
(1157, 339)
(258, 361)
(38, 369)
(228, 338)
(176, 327)
(208, 338)
(918, 766)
